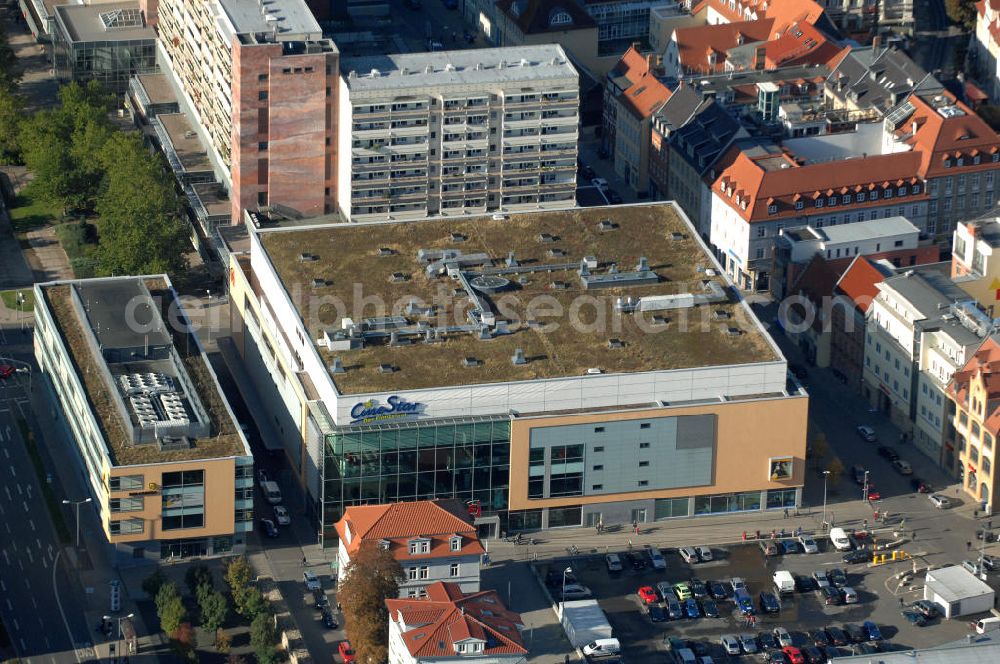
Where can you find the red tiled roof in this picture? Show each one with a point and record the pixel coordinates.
(938, 138)
(786, 13)
(859, 282)
(694, 43)
(434, 624)
(398, 523)
(646, 94)
(781, 178)
(801, 44)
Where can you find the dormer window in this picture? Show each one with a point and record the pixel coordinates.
(915, 189)
(845, 199)
(418, 546)
(798, 205)
(772, 209)
(832, 201)
(819, 202)
(961, 161)
(901, 192)
(996, 157)
(861, 197)
(559, 17)
(384, 544)
(976, 160)
(888, 193)
(456, 543)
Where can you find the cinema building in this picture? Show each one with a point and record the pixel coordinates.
(550, 369)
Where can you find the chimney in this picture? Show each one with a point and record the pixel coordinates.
(876, 44)
(913, 127)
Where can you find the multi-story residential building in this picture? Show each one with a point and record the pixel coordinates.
(433, 540)
(449, 625)
(919, 328)
(664, 19)
(876, 79)
(853, 295)
(632, 94)
(760, 190)
(975, 260)
(167, 467)
(895, 15)
(259, 82)
(564, 23)
(959, 157)
(457, 133)
(973, 401)
(107, 42)
(855, 17)
(689, 135)
(986, 47)
(469, 392)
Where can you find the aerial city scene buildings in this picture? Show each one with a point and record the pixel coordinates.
(502, 331)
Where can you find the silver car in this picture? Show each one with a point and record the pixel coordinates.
(940, 502)
(730, 644)
(704, 553)
(749, 643)
(688, 553)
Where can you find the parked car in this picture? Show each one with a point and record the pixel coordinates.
(973, 567)
(831, 596)
(666, 590)
(743, 601)
(940, 502)
(346, 652)
(857, 556)
(635, 561)
(867, 648)
(855, 633)
(819, 638)
(872, 630)
(262, 477)
(848, 595)
(556, 577)
(730, 644)
(682, 590)
(990, 562)
(328, 620)
(656, 558)
(832, 652)
(926, 608)
(613, 197)
(748, 643)
(674, 609)
(656, 613)
(320, 600)
(574, 591)
(689, 555)
(821, 579)
(698, 588)
(311, 580)
(691, 608)
(987, 535)
(709, 608)
(776, 657)
(717, 590)
(268, 528)
(837, 577)
(789, 546)
(902, 467)
(812, 655)
(783, 637)
(769, 603)
(793, 654)
(920, 486)
(614, 562)
(804, 584)
(887, 453)
(281, 516)
(808, 544)
(867, 433)
(738, 583)
(837, 636)
(768, 547)
(6, 371)
(767, 641)
(914, 618)
(648, 595)
(704, 553)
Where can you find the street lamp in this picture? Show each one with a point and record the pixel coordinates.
(562, 598)
(118, 652)
(76, 504)
(826, 475)
(864, 492)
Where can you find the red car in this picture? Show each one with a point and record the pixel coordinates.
(6, 371)
(648, 595)
(346, 652)
(794, 655)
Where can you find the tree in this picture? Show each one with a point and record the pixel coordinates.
(372, 577)
(223, 642)
(819, 447)
(197, 576)
(170, 608)
(253, 604)
(185, 642)
(11, 110)
(263, 636)
(962, 12)
(10, 71)
(152, 583)
(238, 577)
(141, 229)
(214, 609)
(235, 659)
(836, 469)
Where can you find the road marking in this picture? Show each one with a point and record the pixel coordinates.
(27, 583)
(34, 603)
(32, 524)
(9, 497)
(24, 503)
(39, 543)
(10, 607)
(20, 491)
(8, 526)
(3, 586)
(23, 647)
(6, 453)
(6, 556)
(20, 564)
(16, 625)
(31, 559)
(2, 510)
(62, 613)
(13, 473)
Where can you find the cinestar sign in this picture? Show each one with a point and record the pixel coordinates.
(396, 408)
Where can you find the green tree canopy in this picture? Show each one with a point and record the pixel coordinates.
(263, 636)
(170, 608)
(214, 609)
(962, 12)
(11, 110)
(141, 229)
(10, 70)
(372, 577)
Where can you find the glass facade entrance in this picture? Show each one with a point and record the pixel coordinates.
(468, 460)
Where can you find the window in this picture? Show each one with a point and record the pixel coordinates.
(831, 201)
(599, 466)
(643, 482)
(456, 543)
(644, 425)
(772, 209)
(411, 573)
(860, 197)
(127, 527)
(598, 448)
(761, 231)
(566, 470)
(132, 504)
(536, 473)
(597, 487)
(261, 77)
(643, 464)
(419, 546)
(598, 429)
(915, 189)
(643, 446)
(845, 199)
(262, 95)
(262, 146)
(126, 483)
(819, 202)
(425, 572)
(453, 570)
(798, 205)
(181, 521)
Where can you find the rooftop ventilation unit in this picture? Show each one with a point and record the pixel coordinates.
(386, 369)
(308, 258)
(337, 367)
(518, 357)
(471, 362)
(615, 343)
(385, 251)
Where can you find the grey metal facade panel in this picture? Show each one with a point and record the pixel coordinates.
(680, 452)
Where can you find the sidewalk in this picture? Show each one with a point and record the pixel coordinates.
(93, 563)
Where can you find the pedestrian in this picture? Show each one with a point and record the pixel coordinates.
(773, 534)
(968, 546)
(865, 524)
(901, 602)
(744, 536)
(914, 538)
(303, 560)
(758, 534)
(786, 512)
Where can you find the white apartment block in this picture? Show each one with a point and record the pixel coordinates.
(920, 329)
(457, 133)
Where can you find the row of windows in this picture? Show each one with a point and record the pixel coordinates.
(847, 199)
(423, 572)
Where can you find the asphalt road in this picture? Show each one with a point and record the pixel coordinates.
(42, 613)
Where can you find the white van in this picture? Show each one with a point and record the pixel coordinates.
(271, 492)
(603, 647)
(987, 625)
(784, 582)
(840, 540)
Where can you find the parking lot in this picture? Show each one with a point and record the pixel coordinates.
(879, 596)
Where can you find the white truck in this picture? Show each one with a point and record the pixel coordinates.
(784, 582)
